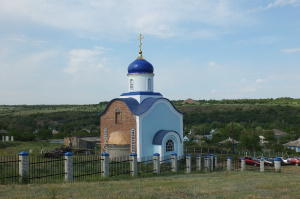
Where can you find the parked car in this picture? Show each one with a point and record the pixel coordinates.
(294, 161)
(281, 160)
(267, 161)
(286, 161)
(251, 161)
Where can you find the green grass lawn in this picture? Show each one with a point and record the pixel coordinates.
(222, 184)
(26, 146)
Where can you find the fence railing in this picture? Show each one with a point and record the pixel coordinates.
(9, 169)
(181, 161)
(165, 164)
(145, 165)
(46, 169)
(69, 168)
(203, 150)
(86, 166)
(119, 166)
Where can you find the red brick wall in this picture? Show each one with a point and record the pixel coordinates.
(107, 120)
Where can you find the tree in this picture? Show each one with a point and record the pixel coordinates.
(44, 134)
(270, 137)
(201, 129)
(249, 141)
(277, 147)
(60, 135)
(217, 137)
(285, 139)
(228, 144)
(28, 137)
(17, 135)
(237, 128)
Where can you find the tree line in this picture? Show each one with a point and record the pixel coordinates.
(250, 117)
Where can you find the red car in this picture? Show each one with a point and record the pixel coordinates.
(251, 161)
(294, 161)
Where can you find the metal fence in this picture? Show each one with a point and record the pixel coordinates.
(119, 166)
(46, 169)
(222, 163)
(85, 167)
(43, 170)
(241, 153)
(235, 163)
(145, 166)
(9, 169)
(181, 162)
(165, 164)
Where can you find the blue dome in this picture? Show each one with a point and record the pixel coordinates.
(140, 66)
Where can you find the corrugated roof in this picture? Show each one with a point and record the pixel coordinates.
(229, 139)
(293, 143)
(137, 108)
(159, 136)
(278, 132)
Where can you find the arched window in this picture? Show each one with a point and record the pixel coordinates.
(132, 141)
(118, 116)
(131, 84)
(170, 145)
(149, 84)
(105, 134)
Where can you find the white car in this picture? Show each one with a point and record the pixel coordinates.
(286, 160)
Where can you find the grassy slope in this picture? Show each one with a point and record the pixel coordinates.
(205, 185)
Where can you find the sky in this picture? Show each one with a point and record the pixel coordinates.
(78, 51)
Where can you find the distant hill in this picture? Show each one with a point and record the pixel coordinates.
(280, 113)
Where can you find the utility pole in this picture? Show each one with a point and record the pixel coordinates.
(232, 137)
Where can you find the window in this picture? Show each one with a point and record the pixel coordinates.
(118, 116)
(105, 134)
(170, 145)
(132, 140)
(149, 84)
(131, 84)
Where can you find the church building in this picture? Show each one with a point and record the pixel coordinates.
(141, 121)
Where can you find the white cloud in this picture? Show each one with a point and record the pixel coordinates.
(85, 63)
(211, 63)
(257, 41)
(260, 80)
(117, 18)
(24, 67)
(17, 38)
(293, 50)
(275, 4)
(279, 3)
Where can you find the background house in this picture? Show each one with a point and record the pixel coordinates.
(294, 145)
(81, 142)
(278, 133)
(222, 143)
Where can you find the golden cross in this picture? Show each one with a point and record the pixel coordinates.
(141, 41)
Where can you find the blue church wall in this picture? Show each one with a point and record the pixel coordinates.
(161, 117)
